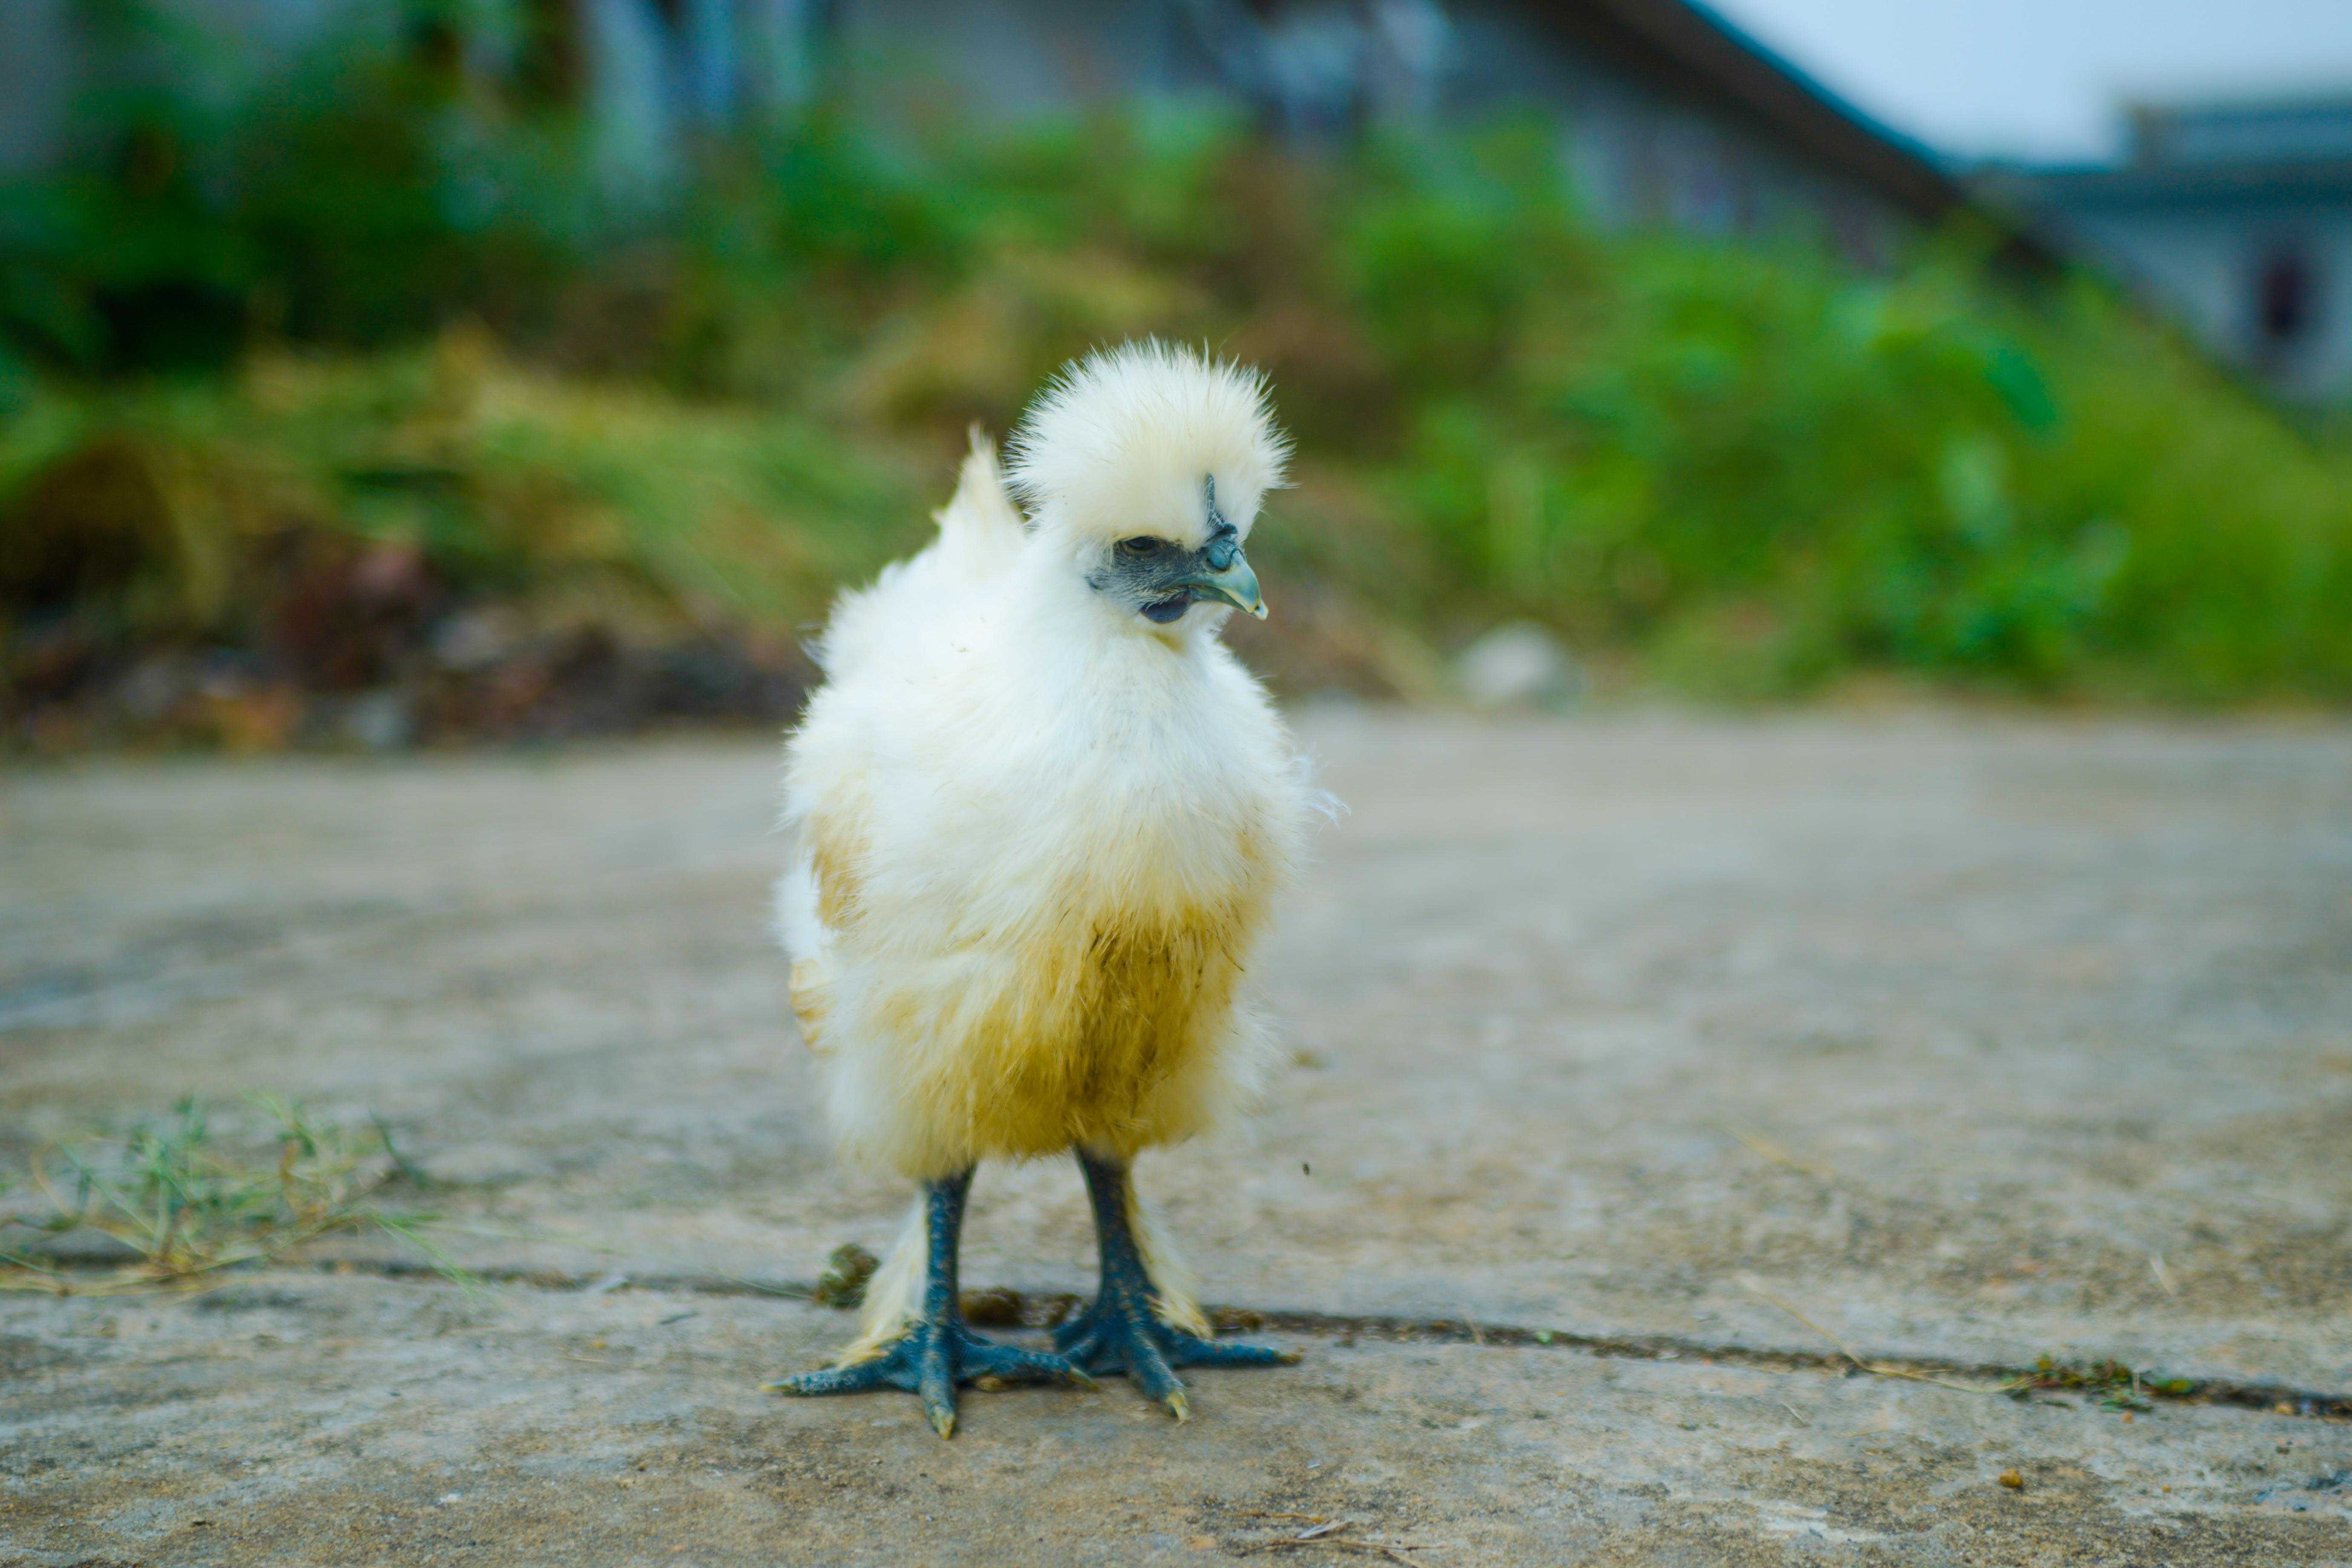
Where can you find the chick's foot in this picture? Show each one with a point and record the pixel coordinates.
(931, 1361)
(1124, 1335)
(1121, 1332)
(937, 1351)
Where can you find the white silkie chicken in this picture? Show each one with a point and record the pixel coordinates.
(1041, 814)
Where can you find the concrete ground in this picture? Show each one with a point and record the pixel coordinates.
(1634, 1057)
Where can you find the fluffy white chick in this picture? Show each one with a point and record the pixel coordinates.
(1041, 815)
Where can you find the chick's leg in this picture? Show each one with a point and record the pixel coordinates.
(939, 1351)
(1121, 1332)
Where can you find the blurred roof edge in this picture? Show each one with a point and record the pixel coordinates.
(1690, 40)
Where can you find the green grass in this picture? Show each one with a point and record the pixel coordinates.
(185, 1206)
(512, 479)
(1737, 471)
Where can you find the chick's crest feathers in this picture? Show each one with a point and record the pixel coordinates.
(1122, 442)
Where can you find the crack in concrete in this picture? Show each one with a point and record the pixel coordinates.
(1043, 1308)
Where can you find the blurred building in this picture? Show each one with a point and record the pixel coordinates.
(2237, 218)
(1665, 113)
(1668, 114)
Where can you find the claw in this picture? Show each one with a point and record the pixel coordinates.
(943, 1419)
(1179, 1406)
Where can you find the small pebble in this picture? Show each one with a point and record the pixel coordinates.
(2013, 1480)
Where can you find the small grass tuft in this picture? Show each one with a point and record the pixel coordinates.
(181, 1206)
(2117, 1386)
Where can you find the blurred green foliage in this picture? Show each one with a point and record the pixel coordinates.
(1738, 469)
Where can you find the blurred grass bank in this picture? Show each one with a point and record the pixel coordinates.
(359, 418)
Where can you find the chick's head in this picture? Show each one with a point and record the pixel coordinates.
(1143, 467)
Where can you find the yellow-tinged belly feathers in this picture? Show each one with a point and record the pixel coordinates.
(1096, 1036)
(1104, 1018)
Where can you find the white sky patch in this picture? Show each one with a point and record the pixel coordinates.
(2044, 80)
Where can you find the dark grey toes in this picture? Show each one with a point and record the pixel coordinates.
(931, 1362)
(888, 1372)
(1120, 1335)
(1192, 1352)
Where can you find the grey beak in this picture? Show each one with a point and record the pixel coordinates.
(1233, 584)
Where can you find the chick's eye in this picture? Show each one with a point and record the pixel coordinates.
(1142, 544)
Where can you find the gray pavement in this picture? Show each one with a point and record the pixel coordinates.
(1684, 1043)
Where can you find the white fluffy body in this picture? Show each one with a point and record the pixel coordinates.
(1036, 832)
